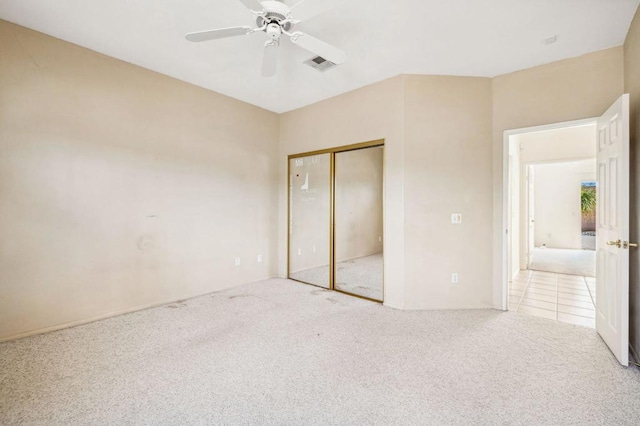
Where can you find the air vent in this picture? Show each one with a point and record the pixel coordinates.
(320, 63)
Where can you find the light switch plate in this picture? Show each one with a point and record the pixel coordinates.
(456, 218)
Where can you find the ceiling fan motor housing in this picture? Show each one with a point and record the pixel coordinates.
(275, 13)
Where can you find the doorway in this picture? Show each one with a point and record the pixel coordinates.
(551, 274)
(335, 232)
(612, 222)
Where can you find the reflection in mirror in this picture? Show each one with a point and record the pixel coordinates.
(309, 219)
(358, 222)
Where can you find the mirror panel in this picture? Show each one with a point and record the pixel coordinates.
(358, 222)
(309, 219)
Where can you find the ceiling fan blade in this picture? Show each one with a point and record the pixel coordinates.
(306, 9)
(252, 5)
(270, 58)
(216, 34)
(319, 47)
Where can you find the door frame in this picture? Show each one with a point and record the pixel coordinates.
(530, 198)
(504, 239)
(332, 208)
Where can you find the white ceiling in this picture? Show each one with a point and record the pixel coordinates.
(382, 39)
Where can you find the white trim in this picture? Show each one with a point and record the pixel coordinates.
(563, 161)
(504, 255)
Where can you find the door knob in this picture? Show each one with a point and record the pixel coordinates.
(617, 243)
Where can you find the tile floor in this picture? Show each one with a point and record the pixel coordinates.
(561, 297)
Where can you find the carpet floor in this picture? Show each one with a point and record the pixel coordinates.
(280, 352)
(362, 276)
(564, 261)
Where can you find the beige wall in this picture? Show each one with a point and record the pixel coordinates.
(571, 89)
(121, 188)
(447, 170)
(558, 218)
(446, 149)
(370, 113)
(632, 86)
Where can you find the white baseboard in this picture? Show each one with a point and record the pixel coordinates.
(112, 314)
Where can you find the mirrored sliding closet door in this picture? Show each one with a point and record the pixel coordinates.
(309, 219)
(358, 222)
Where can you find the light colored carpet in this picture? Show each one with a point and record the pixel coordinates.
(281, 352)
(362, 276)
(564, 261)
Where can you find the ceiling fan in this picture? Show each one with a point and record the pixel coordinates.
(275, 19)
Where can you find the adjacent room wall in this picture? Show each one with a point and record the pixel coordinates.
(558, 218)
(370, 113)
(447, 170)
(571, 89)
(572, 143)
(555, 145)
(121, 188)
(632, 86)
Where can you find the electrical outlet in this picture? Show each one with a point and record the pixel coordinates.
(259, 258)
(299, 252)
(237, 261)
(454, 278)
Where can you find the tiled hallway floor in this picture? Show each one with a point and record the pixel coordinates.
(561, 297)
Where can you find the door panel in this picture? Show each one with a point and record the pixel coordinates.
(309, 219)
(612, 272)
(358, 222)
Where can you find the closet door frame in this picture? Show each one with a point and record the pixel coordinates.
(332, 207)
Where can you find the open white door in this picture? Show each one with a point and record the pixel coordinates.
(612, 243)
